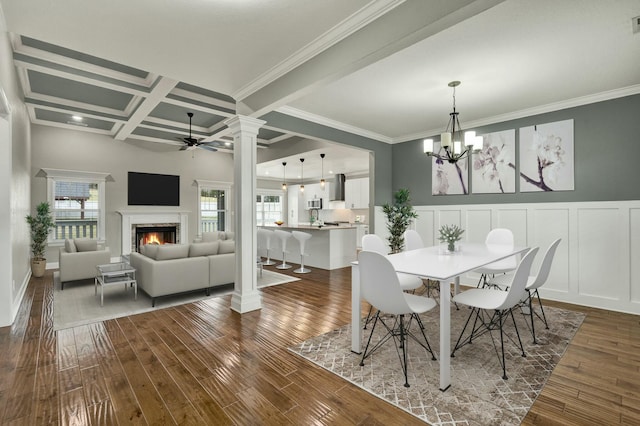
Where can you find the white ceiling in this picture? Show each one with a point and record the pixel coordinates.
(374, 68)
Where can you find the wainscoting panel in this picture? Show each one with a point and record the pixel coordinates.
(425, 225)
(478, 224)
(547, 225)
(516, 220)
(599, 254)
(596, 263)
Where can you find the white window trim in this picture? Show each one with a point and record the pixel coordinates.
(98, 178)
(279, 192)
(220, 186)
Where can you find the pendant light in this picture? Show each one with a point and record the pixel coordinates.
(322, 172)
(302, 175)
(284, 176)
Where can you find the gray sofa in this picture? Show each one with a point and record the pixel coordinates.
(79, 258)
(162, 270)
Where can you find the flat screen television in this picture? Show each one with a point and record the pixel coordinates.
(150, 189)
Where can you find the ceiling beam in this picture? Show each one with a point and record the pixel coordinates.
(401, 27)
(158, 94)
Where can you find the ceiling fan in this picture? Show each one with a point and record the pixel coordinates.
(192, 143)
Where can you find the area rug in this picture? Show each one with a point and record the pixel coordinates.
(478, 395)
(78, 304)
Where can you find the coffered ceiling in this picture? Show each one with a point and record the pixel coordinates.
(377, 68)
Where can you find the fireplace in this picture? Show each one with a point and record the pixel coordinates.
(153, 234)
(134, 219)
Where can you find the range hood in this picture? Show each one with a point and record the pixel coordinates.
(337, 194)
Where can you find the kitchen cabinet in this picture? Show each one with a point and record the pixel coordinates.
(356, 193)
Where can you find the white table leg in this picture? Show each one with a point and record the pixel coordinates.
(445, 335)
(356, 327)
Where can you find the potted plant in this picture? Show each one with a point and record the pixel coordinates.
(40, 225)
(399, 216)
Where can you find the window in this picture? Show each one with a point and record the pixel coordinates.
(213, 206)
(77, 201)
(269, 208)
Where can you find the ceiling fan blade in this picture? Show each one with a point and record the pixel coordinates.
(184, 148)
(208, 148)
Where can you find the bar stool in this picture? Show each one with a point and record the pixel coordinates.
(265, 237)
(284, 236)
(302, 238)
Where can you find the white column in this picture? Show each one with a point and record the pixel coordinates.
(246, 296)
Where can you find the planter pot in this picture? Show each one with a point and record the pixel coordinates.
(38, 267)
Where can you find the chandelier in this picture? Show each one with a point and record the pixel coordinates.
(451, 148)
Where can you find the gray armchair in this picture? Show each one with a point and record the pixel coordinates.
(79, 258)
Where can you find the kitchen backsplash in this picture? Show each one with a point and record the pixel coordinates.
(344, 215)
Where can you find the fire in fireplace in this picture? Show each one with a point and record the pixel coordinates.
(155, 235)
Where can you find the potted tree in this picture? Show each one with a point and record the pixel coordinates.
(399, 216)
(40, 225)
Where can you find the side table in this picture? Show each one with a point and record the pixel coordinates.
(115, 273)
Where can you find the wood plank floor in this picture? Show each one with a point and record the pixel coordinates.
(205, 364)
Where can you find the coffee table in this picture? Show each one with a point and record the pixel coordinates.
(115, 273)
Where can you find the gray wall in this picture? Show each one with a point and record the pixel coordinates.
(14, 188)
(607, 150)
(73, 150)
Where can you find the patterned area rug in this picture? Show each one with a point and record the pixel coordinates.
(478, 394)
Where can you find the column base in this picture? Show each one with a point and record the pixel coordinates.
(242, 303)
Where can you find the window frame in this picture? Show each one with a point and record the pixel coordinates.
(57, 175)
(271, 192)
(202, 184)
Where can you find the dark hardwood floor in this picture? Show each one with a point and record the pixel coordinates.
(203, 363)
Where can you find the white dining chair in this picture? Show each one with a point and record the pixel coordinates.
(498, 239)
(534, 282)
(492, 306)
(372, 242)
(381, 288)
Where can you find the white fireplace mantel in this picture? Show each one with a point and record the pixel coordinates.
(135, 217)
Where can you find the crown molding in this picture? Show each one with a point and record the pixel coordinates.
(542, 109)
(344, 29)
(298, 113)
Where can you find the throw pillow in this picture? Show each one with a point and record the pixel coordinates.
(86, 244)
(227, 246)
(172, 251)
(69, 246)
(203, 249)
(149, 250)
(208, 237)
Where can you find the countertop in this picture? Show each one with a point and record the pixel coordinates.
(316, 227)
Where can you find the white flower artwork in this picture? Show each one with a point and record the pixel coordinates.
(493, 171)
(449, 179)
(546, 157)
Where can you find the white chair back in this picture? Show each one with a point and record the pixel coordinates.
(500, 237)
(412, 240)
(379, 284)
(517, 286)
(545, 267)
(372, 242)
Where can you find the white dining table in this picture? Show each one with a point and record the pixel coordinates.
(432, 262)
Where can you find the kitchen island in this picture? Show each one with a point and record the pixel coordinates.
(330, 247)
